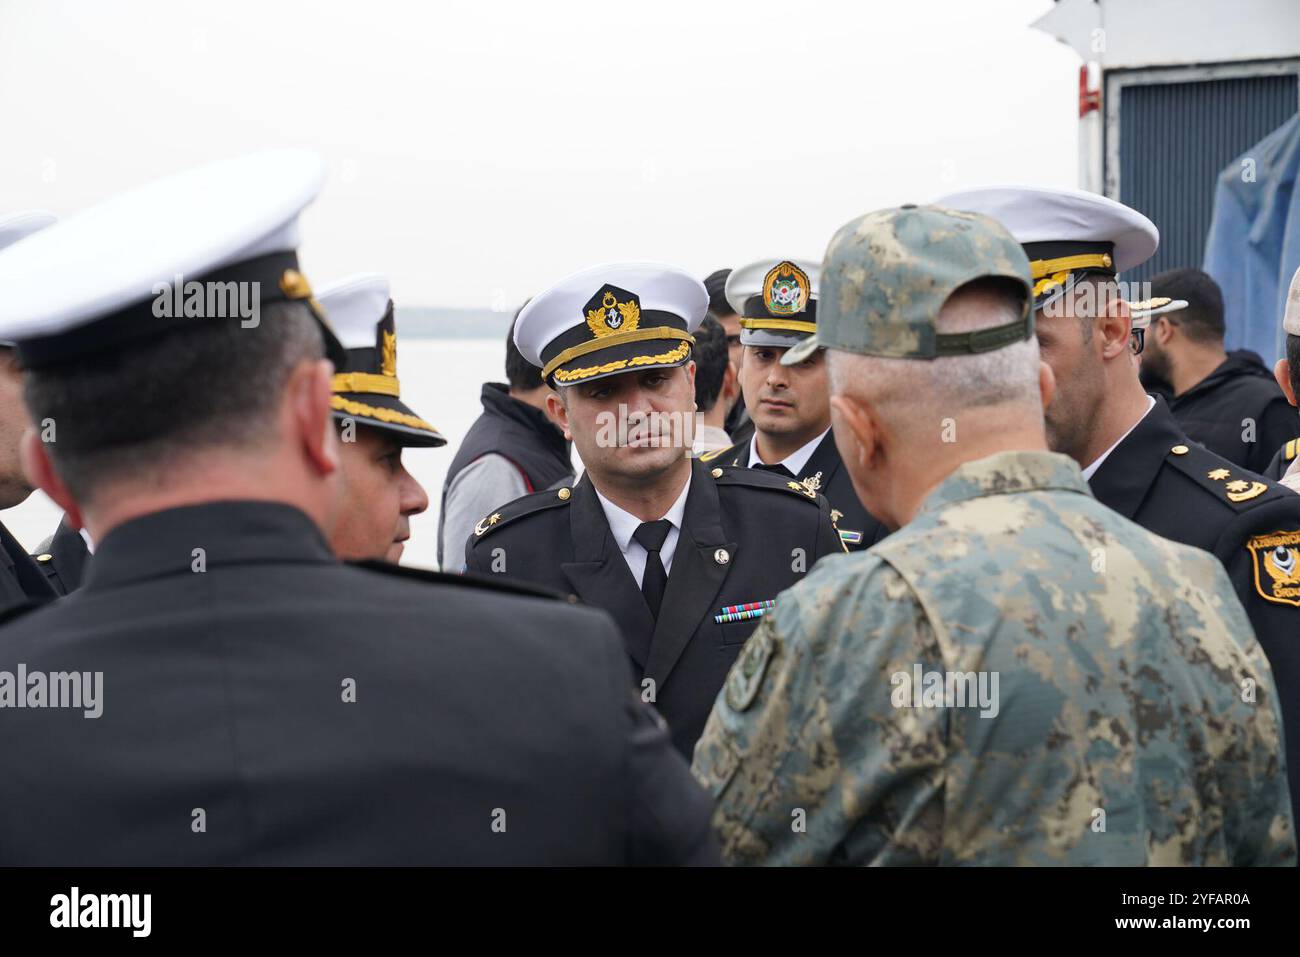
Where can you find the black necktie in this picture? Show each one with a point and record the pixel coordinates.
(779, 469)
(651, 537)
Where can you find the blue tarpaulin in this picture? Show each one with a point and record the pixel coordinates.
(1253, 247)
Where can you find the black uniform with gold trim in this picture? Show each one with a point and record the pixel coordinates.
(1282, 460)
(746, 536)
(824, 473)
(1169, 485)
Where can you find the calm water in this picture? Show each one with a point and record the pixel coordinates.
(441, 380)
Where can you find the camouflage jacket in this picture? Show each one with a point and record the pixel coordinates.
(1017, 676)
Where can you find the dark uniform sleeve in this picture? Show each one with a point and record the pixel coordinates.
(669, 813)
(1269, 589)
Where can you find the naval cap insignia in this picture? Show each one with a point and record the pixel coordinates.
(612, 310)
(786, 289)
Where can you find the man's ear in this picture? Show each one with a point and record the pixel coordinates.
(558, 414)
(859, 437)
(1046, 384)
(730, 384)
(1115, 326)
(40, 473)
(1282, 373)
(308, 396)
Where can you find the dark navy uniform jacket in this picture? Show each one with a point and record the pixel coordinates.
(1169, 485)
(746, 536)
(63, 557)
(21, 580)
(487, 726)
(824, 472)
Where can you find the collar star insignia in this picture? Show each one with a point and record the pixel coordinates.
(800, 487)
(1237, 486)
(1218, 475)
(487, 523)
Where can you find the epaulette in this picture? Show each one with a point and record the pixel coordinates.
(493, 583)
(520, 507)
(757, 478)
(716, 453)
(1290, 449)
(1227, 481)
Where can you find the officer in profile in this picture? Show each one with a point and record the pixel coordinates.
(21, 579)
(790, 404)
(685, 555)
(1135, 456)
(243, 697)
(378, 495)
(979, 688)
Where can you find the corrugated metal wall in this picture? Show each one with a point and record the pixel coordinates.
(1175, 139)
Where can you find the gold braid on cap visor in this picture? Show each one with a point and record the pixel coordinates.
(365, 382)
(1047, 273)
(789, 325)
(347, 406)
(617, 339)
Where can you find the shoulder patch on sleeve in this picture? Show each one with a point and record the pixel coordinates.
(746, 675)
(757, 478)
(1223, 479)
(538, 501)
(494, 583)
(1275, 560)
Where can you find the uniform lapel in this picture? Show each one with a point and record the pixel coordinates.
(695, 579)
(1129, 472)
(825, 459)
(599, 573)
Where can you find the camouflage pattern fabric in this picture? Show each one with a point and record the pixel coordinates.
(1130, 717)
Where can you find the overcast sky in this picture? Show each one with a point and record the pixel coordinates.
(480, 151)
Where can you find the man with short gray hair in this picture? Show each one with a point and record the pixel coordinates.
(1016, 676)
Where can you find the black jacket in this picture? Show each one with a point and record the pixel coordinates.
(1218, 411)
(228, 637)
(1169, 485)
(824, 472)
(520, 433)
(63, 558)
(746, 536)
(21, 580)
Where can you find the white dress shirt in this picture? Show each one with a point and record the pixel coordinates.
(1092, 469)
(623, 524)
(795, 461)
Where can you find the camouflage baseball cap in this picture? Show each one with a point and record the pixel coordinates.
(886, 275)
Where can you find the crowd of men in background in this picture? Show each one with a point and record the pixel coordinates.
(961, 557)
